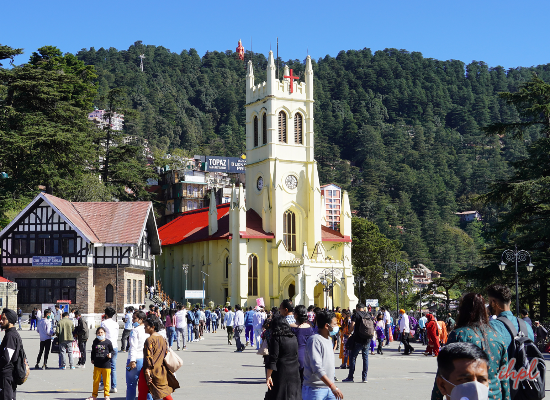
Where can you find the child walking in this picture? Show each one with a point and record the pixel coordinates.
(102, 350)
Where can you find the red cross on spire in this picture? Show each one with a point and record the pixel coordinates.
(291, 77)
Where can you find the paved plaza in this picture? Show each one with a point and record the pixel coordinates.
(211, 370)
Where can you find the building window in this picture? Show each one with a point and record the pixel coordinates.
(282, 127)
(298, 128)
(227, 267)
(256, 133)
(19, 246)
(67, 244)
(44, 244)
(128, 291)
(45, 290)
(109, 293)
(289, 230)
(264, 128)
(134, 293)
(140, 291)
(252, 275)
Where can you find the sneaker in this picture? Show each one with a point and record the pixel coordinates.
(113, 390)
(73, 367)
(364, 381)
(83, 366)
(347, 380)
(37, 366)
(61, 367)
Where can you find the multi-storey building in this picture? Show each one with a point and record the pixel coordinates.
(332, 195)
(101, 119)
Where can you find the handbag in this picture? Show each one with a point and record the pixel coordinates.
(55, 346)
(263, 350)
(75, 350)
(172, 361)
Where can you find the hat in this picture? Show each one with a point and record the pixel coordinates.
(257, 308)
(10, 315)
(402, 311)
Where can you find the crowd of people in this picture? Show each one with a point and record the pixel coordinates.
(298, 345)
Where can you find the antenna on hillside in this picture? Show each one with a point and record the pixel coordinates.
(142, 56)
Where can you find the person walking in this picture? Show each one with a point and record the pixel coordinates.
(472, 326)
(422, 328)
(238, 327)
(170, 326)
(386, 318)
(134, 364)
(64, 332)
(359, 344)
(344, 334)
(214, 317)
(111, 332)
(19, 316)
(190, 315)
(208, 315)
(102, 352)
(319, 361)
(287, 310)
(181, 326)
(127, 329)
(155, 378)
(302, 332)
(9, 353)
(432, 331)
(33, 319)
(282, 367)
(45, 332)
(249, 327)
(257, 325)
(229, 321)
(404, 328)
(222, 317)
(379, 333)
(81, 333)
(540, 335)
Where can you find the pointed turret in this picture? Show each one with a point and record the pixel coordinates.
(345, 216)
(309, 79)
(212, 214)
(271, 84)
(242, 209)
(233, 204)
(249, 80)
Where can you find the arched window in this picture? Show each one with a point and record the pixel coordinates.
(289, 230)
(109, 294)
(298, 128)
(226, 267)
(252, 275)
(256, 133)
(264, 128)
(291, 290)
(282, 127)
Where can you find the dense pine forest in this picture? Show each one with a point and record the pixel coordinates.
(402, 133)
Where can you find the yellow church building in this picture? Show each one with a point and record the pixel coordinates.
(273, 244)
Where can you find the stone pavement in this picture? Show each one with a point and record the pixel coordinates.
(212, 370)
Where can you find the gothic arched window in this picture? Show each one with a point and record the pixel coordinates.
(282, 127)
(256, 133)
(109, 294)
(226, 267)
(264, 128)
(289, 230)
(298, 128)
(252, 275)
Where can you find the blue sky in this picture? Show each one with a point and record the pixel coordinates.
(507, 33)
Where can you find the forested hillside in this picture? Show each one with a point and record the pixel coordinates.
(399, 131)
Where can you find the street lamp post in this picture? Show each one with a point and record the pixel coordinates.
(397, 266)
(360, 281)
(185, 270)
(204, 275)
(328, 286)
(516, 256)
(9, 286)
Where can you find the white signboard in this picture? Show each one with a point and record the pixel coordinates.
(371, 302)
(194, 294)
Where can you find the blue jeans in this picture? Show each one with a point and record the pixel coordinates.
(189, 332)
(249, 334)
(310, 393)
(132, 381)
(170, 333)
(113, 367)
(357, 348)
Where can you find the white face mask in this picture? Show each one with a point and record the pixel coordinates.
(468, 391)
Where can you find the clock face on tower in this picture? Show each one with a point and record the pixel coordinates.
(291, 182)
(260, 183)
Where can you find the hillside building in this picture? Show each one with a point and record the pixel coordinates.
(271, 244)
(332, 197)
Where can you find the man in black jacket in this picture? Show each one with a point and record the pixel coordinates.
(9, 351)
(81, 333)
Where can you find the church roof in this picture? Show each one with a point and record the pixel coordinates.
(330, 235)
(192, 226)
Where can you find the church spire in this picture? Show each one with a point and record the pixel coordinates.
(309, 79)
(212, 214)
(271, 84)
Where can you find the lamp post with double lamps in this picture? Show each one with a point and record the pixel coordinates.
(185, 270)
(323, 278)
(397, 266)
(516, 256)
(360, 282)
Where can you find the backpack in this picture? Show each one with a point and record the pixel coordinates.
(364, 326)
(413, 323)
(21, 368)
(524, 351)
(189, 316)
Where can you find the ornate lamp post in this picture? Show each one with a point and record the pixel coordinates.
(185, 270)
(9, 286)
(515, 255)
(397, 266)
(360, 282)
(328, 286)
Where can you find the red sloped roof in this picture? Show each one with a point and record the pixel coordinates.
(115, 222)
(330, 235)
(68, 210)
(3, 280)
(254, 228)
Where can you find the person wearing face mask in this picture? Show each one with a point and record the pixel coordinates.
(81, 333)
(102, 352)
(45, 331)
(319, 360)
(282, 366)
(359, 344)
(135, 355)
(462, 372)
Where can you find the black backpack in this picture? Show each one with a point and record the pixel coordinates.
(21, 368)
(364, 325)
(524, 351)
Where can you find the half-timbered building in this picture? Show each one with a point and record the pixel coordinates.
(95, 254)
